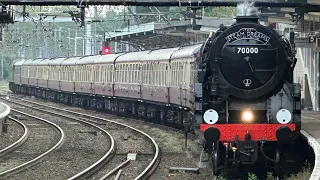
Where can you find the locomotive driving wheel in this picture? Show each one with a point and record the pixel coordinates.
(277, 165)
(215, 159)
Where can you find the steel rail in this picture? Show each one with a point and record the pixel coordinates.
(35, 160)
(115, 169)
(151, 166)
(98, 164)
(19, 142)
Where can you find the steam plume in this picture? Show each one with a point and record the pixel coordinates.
(247, 9)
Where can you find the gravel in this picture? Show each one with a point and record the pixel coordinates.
(42, 137)
(15, 132)
(126, 142)
(83, 146)
(171, 142)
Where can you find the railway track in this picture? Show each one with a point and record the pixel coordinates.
(17, 143)
(174, 152)
(118, 130)
(20, 156)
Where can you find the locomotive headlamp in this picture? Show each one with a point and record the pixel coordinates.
(247, 116)
(210, 116)
(283, 116)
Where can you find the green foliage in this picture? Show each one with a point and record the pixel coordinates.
(252, 176)
(227, 12)
(221, 178)
(112, 21)
(179, 12)
(270, 176)
(169, 12)
(176, 12)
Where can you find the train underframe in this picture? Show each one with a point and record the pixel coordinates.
(150, 111)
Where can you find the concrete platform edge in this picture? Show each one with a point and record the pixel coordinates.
(6, 112)
(316, 149)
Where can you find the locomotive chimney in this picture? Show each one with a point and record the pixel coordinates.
(247, 19)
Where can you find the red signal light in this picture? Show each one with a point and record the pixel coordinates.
(106, 50)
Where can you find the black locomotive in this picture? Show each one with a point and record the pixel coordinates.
(251, 107)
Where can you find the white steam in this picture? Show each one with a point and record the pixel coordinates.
(247, 9)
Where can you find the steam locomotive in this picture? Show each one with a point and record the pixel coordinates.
(251, 107)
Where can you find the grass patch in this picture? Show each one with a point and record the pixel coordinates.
(304, 174)
(4, 86)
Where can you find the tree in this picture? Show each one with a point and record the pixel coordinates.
(227, 12)
(176, 12)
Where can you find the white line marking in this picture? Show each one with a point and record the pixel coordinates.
(316, 149)
(307, 117)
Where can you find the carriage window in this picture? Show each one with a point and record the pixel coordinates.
(156, 66)
(106, 73)
(112, 70)
(137, 74)
(174, 74)
(124, 77)
(181, 68)
(77, 73)
(152, 73)
(102, 73)
(84, 73)
(90, 69)
(127, 80)
(148, 73)
(122, 73)
(131, 73)
(161, 74)
(61, 73)
(73, 73)
(62, 70)
(87, 73)
(116, 73)
(38, 68)
(144, 74)
(100, 68)
(66, 75)
(80, 73)
(96, 79)
(78, 76)
(109, 73)
(70, 73)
